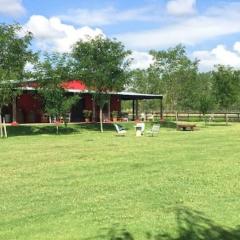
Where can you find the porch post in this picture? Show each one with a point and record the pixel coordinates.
(109, 109)
(14, 110)
(161, 108)
(133, 109)
(94, 110)
(137, 109)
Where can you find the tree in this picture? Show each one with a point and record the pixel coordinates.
(226, 87)
(50, 75)
(237, 77)
(145, 81)
(139, 81)
(102, 64)
(175, 75)
(205, 97)
(14, 54)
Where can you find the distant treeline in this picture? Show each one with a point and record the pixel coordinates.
(184, 88)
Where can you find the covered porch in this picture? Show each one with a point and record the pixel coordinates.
(28, 108)
(135, 98)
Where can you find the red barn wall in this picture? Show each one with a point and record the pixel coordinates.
(29, 108)
(88, 103)
(115, 103)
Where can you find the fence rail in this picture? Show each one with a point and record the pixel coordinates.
(218, 116)
(183, 116)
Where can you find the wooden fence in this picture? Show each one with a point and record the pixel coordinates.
(218, 116)
(183, 116)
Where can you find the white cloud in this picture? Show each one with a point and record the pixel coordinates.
(52, 34)
(181, 7)
(13, 8)
(218, 55)
(216, 22)
(236, 47)
(106, 16)
(141, 60)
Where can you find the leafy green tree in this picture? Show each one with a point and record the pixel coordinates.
(237, 77)
(206, 101)
(102, 64)
(50, 75)
(175, 75)
(139, 81)
(226, 87)
(14, 54)
(144, 81)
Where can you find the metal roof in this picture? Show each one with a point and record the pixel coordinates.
(123, 95)
(77, 86)
(134, 95)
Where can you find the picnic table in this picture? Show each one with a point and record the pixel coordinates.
(186, 127)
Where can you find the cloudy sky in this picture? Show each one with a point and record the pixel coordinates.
(210, 29)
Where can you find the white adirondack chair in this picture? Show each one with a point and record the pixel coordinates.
(154, 130)
(120, 130)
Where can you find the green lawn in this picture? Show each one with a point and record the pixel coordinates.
(80, 184)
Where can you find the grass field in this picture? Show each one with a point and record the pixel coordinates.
(82, 183)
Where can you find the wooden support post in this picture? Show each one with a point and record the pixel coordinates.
(133, 110)
(1, 126)
(137, 115)
(109, 109)
(161, 108)
(14, 110)
(94, 110)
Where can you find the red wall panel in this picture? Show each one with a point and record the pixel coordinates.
(29, 108)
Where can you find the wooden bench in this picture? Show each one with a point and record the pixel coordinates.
(186, 127)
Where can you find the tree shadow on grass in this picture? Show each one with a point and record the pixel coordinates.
(96, 127)
(24, 130)
(40, 130)
(106, 126)
(218, 124)
(191, 225)
(168, 124)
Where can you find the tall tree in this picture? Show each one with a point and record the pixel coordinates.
(102, 64)
(226, 87)
(139, 81)
(206, 101)
(50, 74)
(14, 54)
(145, 81)
(175, 74)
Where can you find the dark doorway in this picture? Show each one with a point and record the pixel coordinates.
(77, 111)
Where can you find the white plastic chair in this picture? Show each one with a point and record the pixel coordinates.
(120, 130)
(155, 130)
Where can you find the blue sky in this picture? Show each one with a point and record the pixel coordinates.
(209, 29)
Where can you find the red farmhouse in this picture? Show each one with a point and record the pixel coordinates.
(28, 108)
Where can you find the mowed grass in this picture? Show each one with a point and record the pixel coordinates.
(78, 185)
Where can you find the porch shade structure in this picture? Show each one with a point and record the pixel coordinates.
(28, 105)
(135, 97)
(130, 96)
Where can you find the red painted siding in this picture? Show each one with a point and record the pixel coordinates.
(88, 103)
(29, 108)
(115, 103)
